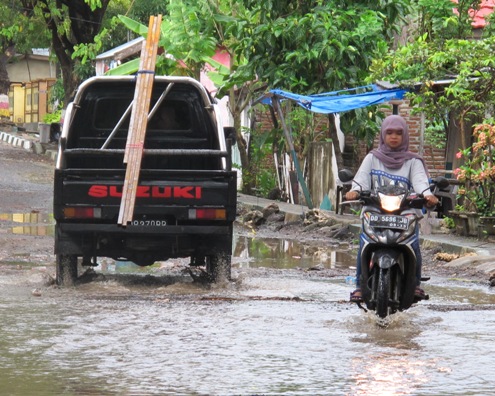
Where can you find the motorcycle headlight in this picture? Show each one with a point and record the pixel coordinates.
(390, 203)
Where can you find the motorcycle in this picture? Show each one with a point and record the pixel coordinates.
(388, 263)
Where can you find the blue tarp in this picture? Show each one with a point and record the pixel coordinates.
(338, 101)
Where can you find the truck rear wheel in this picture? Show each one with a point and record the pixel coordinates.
(66, 269)
(219, 267)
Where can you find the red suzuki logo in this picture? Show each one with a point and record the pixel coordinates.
(187, 192)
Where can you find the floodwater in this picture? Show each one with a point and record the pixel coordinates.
(271, 332)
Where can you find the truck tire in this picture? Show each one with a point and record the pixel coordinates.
(66, 269)
(219, 267)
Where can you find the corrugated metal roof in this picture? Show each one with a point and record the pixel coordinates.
(114, 52)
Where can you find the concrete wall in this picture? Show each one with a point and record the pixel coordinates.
(31, 67)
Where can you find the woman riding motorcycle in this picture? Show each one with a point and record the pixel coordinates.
(392, 162)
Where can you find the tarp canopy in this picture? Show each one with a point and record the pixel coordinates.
(338, 101)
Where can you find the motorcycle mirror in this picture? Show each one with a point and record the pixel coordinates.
(441, 182)
(345, 175)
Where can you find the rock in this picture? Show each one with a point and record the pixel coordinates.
(292, 218)
(254, 217)
(36, 292)
(448, 257)
(270, 209)
(276, 218)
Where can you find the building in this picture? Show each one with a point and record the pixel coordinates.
(31, 76)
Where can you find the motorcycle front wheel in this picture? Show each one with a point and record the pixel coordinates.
(383, 293)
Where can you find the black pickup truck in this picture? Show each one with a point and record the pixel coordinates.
(185, 202)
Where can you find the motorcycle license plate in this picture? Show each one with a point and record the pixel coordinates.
(389, 221)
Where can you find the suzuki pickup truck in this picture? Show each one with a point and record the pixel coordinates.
(185, 201)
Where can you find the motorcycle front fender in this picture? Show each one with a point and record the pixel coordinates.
(387, 258)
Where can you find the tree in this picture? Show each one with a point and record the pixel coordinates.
(310, 46)
(68, 23)
(20, 31)
(445, 50)
(71, 22)
(316, 46)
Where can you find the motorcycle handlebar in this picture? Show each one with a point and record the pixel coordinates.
(366, 198)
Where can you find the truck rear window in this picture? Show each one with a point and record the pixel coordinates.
(181, 122)
(171, 115)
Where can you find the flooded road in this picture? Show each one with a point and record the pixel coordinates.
(282, 327)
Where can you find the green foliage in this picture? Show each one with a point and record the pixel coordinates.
(326, 48)
(448, 222)
(141, 10)
(52, 117)
(435, 133)
(263, 176)
(86, 52)
(185, 37)
(363, 123)
(477, 174)
(20, 29)
(439, 22)
(56, 94)
(468, 64)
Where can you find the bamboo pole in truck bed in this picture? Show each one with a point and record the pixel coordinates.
(139, 120)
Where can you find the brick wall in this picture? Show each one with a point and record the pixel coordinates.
(434, 156)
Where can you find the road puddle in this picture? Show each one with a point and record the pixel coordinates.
(283, 253)
(33, 224)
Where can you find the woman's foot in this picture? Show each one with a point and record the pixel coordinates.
(356, 296)
(419, 293)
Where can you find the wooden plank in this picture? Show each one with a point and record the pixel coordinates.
(139, 120)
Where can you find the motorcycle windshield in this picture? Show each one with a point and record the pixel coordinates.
(389, 184)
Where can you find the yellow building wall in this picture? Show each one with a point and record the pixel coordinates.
(17, 93)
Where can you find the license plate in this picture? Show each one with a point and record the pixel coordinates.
(149, 223)
(389, 221)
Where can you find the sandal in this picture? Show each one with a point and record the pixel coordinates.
(419, 293)
(356, 296)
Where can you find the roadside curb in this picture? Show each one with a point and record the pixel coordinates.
(14, 140)
(29, 145)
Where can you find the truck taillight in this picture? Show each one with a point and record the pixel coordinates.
(80, 212)
(208, 214)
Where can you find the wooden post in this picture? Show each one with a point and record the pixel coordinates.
(278, 110)
(139, 120)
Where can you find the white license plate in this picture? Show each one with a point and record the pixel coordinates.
(389, 221)
(149, 223)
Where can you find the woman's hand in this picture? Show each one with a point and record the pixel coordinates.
(351, 195)
(431, 201)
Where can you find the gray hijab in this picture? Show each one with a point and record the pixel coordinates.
(395, 158)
